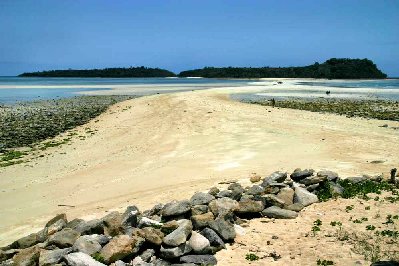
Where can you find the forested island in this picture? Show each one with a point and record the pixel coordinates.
(333, 68)
(131, 72)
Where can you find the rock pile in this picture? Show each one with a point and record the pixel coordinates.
(185, 232)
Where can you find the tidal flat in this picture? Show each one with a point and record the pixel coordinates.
(25, 125)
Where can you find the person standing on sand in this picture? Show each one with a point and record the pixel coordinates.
(273, 102)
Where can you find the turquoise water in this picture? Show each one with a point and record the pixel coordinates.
(382, 84)
(9, 95)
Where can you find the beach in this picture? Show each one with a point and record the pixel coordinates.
(163, 147)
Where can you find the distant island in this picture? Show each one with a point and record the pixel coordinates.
(334, 68)
(131, 72)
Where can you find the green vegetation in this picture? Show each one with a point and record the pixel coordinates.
(343, 68)
(377, 109)
(324, 262)
(370, 227)
(98, 257)
(28, 123)
(335, 223)
(131, 72)
(251, 257)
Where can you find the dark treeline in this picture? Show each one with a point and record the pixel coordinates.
(131, 72)
(331, 69)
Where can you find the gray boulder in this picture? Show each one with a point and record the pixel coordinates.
(120, 247)
(147, 255)
(201, 198)
(255, 190)
(331, 176)
(81, 259)
(199, 259)
(175, 252)
(299, 174)
(223, 228)
(276, 177)
(145, 221)
(304, 197)
(50, 257)
(295, 207)
(95, 226)
(223, 206)
(113, 224)
(213, 238)
(250, 206)
(276, 212)
(152, 235)
(213, 191)
(86, 244)
(225, 194)
(287, 195)
(202, 220)
(64, 238)
(199, 209)
(130, 217)
(27, 257)
(311, 180)
(271, 199)
(175, 208)
(198, 242)
(179, 235)
(357, 179)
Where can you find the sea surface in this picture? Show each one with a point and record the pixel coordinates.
(18, 89)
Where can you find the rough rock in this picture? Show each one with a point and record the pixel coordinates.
(198, 242)
(175, 208)
(129, 217)
(152, 235)
(295, 207)
(254, 178)
(276, 177)
(331, 176)
(144, 222)
(169, 227)
(336, 189)
(202, 220)
(250, 206)
(276, 212)
(56, 223)
(156, 210)
(357, 179)
(201, 198)
(147, 255)
(223, 228)
(287, 195)
(271, 199)
(27, 257)
(223, 206)
(175, 252)
(255, 190)
(81, 259)
(95, 226)
(199, 209)
(310, 180)
(27, 241)
(213, 191)
(179, 235)
(120, 247)
(113, 224)
(86, 244)
(304, 197)
(213, 238)
(299, 174)
(225, 194)
(199, 259)
(64, 238)
(50, 257)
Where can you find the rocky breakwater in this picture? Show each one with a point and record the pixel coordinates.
(184, 232)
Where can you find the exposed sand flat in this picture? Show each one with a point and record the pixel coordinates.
(165, 147)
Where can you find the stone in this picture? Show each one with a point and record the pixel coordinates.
(201, 198)
(199, 209)
(156, 210)
(213, 191)
(202, 220)
(276, 212)
(7, 254)
(313, 187)
(225, 194)
(56, 223)
(27, 241)
(223, 206)
(27, 257)
(95, 226)
(58, 217)
(250, 206)
(64, 238)
(129, 217)
(299, 174)
(199, 259)
(198, 242)
(213, 237)
(310, 180)
(286, 194)
(86, 244)
(295, 207)
(120, 247)
(152, 235)
(255, 190)
(169, 227)
(357, 179)
(336, 189)
(240, 231)
(147, 255)
(304, 197)
(179, 235)
(144, 222)
(331, 176)
(50, 257)
(175, 252)
(254, 178)
(175, 208)
(119, 263)
(113, 224)
(272, 200)
(276, 177)
(81, 259)
(223, 228)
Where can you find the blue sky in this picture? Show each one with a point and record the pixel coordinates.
(178, 35)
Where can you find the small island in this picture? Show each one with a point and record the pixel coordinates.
(130, 72)
(334, 68)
